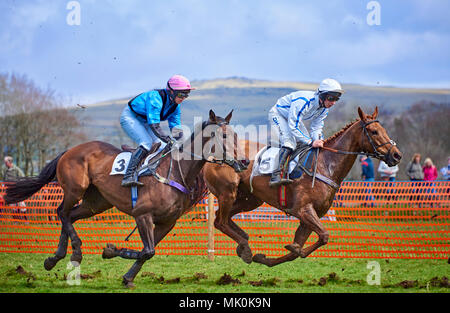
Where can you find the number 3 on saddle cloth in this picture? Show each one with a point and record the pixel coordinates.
(148, 167)
(267, 162)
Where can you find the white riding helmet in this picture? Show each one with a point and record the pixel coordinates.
(330, 85)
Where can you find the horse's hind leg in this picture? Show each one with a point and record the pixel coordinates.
(301, 235)
(61, 251)
(81, 211)
(224, 223)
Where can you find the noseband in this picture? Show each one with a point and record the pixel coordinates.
(375, 147)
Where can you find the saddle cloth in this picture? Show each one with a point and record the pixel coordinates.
(121, 161)
(266, 162)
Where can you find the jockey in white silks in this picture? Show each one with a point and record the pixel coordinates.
(287, 117)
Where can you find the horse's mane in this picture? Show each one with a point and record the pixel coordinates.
(331, 139)
(197, 130)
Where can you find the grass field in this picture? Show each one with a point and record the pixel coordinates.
(24, 273)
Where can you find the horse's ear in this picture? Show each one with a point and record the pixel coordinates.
(362, 115)
(375, 113)
(212, 116)
(228, 118)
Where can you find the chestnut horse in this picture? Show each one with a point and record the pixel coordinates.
(364, 136)
(83, 173)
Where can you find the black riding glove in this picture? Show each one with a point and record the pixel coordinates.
(156, 128)
(177, 133)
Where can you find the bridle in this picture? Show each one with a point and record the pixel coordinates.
(376, 154)
(235, 164)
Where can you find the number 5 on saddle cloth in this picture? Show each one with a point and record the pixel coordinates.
(300, 162)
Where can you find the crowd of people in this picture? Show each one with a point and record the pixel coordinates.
(414, 170)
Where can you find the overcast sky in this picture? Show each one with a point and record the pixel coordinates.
(122, 48)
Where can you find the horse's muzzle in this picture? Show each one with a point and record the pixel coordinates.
(394, 157)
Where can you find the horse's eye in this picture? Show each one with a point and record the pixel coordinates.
(374, 132)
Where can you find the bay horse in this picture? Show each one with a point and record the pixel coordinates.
(83, 173)
(336, 158)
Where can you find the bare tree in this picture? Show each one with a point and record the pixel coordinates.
(33, 123)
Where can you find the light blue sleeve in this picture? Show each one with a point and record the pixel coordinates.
(153, 106)
(174, 119)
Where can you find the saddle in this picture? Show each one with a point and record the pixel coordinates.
(301, 161)
(150, 162)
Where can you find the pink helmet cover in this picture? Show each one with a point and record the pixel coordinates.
(179, 82)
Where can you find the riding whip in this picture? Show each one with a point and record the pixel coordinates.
(128, 237)
(315, 165)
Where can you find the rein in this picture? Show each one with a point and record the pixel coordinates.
(375, 153)
(184, 188)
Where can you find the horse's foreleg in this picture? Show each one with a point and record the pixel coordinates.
(224, 223)
(146, 230)
(237, 229)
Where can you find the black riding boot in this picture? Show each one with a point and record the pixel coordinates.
(276, 179)
(130, 179)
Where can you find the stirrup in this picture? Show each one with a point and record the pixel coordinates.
(131, 181)
(281, 181)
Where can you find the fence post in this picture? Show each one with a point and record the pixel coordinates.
(211, 216)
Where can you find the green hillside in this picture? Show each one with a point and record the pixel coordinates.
(251, 100)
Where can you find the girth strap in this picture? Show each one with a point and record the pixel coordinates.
(171, 183)
(301, 152)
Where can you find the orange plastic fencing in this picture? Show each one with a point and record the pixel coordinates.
(367, 220)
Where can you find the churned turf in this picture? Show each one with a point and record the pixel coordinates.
(24, 273)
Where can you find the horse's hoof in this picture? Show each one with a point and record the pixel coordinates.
(49, 263)
(109, 252)
(245, 253)
(128, 284)
(76, 257)
(294, 248)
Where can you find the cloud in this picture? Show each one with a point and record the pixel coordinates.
(126, 46)
(23, 21)
(384, 48)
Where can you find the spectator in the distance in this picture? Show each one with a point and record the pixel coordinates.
(430, 174)
(367, 168)
(429, 170)
(414, 168)
(415, 173)
(11, 173)
(368, 176)
(445, 171)
(387, 173)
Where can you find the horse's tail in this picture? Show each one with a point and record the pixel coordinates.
(26, 187)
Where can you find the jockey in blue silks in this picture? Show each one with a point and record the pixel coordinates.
(141, 120)
(287, 117)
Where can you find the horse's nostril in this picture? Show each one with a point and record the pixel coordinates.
(397, 156)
